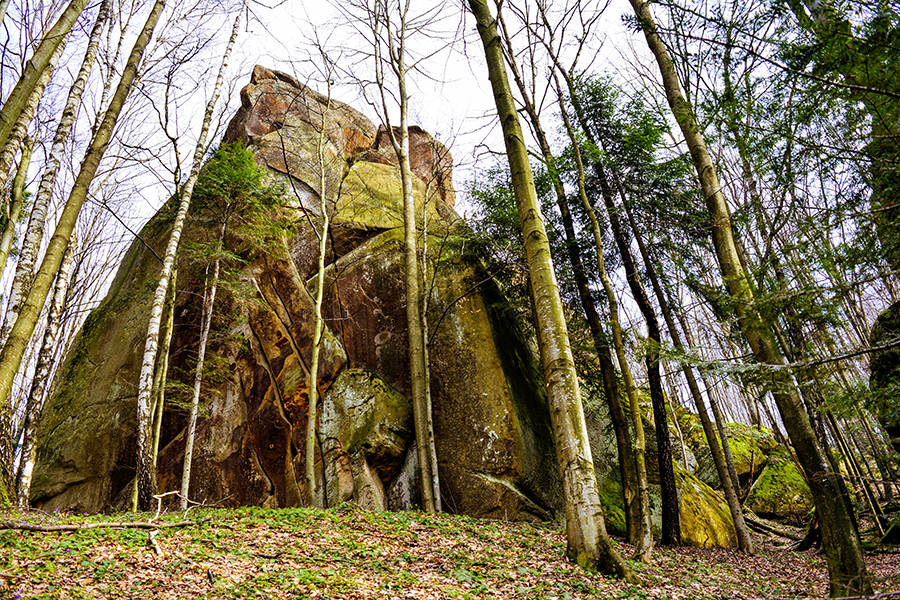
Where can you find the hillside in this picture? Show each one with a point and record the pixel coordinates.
(351, 553)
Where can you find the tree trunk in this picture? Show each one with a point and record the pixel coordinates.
(671, 509)
(319, 326)
(21, 95)
(146, 473)
(846, 567)
(35, 402)
(588, 543)
(630, 495)
(34, 232)
(645, 539)
(18, 200)
(17, 342)
(411, 278)
(209, 301)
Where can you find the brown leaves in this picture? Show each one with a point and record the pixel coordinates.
(346, 553)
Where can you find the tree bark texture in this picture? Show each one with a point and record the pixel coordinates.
(17, 342)
(17, 194)
(588, 543)
(34, 232)
(630, 495)
(645, 537)
(146, 471)
(847, 569)
(35, 403)
(35, 68)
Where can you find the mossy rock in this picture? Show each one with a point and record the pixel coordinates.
(705, 518)
(885, 368)
(780, 492)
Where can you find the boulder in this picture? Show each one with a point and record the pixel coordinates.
(492, 426)
(780, 492)
(884, 365)
(750, 448)
(705, 519)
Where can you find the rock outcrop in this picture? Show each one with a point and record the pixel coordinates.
(492, 430)
(490, 414)
(885, 368)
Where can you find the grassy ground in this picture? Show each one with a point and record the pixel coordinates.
(348, 553)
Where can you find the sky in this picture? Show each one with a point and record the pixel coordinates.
(450, 98)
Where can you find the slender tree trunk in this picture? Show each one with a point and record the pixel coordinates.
(671, 509)
(18, 200)
(209, 301)
(645, 539)
(727, 476)
(17, 342)
(319, 325)
(846, 567)
(417, 367)
(22, 94)
(162, 369)
(146, 473)
(34, 232)
(588, 543)
(35, 402)
(630, 495)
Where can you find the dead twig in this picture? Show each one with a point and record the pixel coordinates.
(104, 524)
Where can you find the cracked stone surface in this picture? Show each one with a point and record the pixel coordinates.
(492, 431)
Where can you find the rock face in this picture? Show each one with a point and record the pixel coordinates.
(492, 429)
(705, 519)
(885, 368)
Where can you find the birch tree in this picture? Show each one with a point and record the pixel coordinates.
(36, 395)
(17, 342)
(588, 543)
(22, 98)
(34, 231)
(146, 472)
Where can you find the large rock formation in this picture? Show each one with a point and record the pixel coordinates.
(490, 415)
(494, 445)
(885, 368)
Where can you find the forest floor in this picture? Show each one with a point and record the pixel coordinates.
(348, 553)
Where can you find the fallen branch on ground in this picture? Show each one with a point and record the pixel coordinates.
(108, 524)
(762, 526)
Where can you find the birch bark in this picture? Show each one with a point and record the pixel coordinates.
(17, 342)
(31, 241)
(146, 473)
(35, 68)
(35, 403)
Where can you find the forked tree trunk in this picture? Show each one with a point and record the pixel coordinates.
(35, 403)
(17, 342)
(846, 567)
(627, 469)
(645, 537)
(588, 543)
(146, 473)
